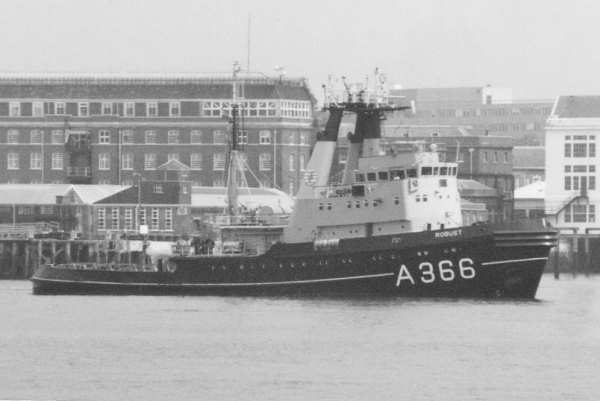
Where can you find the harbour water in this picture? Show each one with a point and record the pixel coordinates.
(213, 348)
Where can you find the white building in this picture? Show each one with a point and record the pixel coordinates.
(572, 198)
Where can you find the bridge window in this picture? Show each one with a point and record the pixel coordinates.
(383, 175)
(453, 171)
(397, 174)
(443, 182)
(443, 170)
(411, 173)
(371, 176)
(426, 170)
(436, 171)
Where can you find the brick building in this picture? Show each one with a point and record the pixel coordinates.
(484, 110)
(107, 129)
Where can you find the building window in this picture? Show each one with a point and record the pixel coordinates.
(38, 109)
(154, 221)
(211, 109)
(264, 137)
(114, 224)
(101, 218)
(506, 157)
(12, 160)
(218, 137)
(196, 161)
(150, 161)
(35, 161)
(35, 136)
(567, 183)
(57, 161)
(174, 109)
(129, 109)
(172, 156)
(104, 136)
(84, 109)
(291, 188)
(104, 161)
(265, 162)
(152, 108)
(196, 136)
(150, 137)
(14, 109)
(579, 149)
(173, 136)
(242, 137)
(142, 217)
(219, 161)
(127, 136)
(47, 209)
(60, 108)
(12, 136)
(128, 219)
(495, 157)
(292, 162)
(485, 156)
(127, 161)
(107, 109)
(302, 161)
(169, 219)
(57, 137)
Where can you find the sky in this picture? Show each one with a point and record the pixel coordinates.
(539, 48)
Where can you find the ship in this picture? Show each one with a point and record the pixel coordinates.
(391, 226)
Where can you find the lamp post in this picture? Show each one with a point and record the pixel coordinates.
(471, 150)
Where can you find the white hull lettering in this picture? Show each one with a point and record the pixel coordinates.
(404, 274)
(446, 271)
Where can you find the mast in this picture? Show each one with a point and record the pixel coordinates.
(234, 167)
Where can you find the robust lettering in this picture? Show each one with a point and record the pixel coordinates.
(404, 274)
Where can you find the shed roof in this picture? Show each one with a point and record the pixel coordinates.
(31, 194)
(535, 190)
(89, 194)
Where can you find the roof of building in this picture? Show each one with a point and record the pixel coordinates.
(475, 188)
(32, 194)
(89, 194)
(173, 165)
(251, 198)
(577, 107)
(535, 190)
(150, 86)
(529, 157)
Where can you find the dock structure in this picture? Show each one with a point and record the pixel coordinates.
(19, 258)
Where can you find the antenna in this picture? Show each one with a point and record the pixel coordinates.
(248, 44)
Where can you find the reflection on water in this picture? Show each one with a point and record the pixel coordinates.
(158, 348)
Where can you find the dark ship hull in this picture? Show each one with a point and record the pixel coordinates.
(475, 261)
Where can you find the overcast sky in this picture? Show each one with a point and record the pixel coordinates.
(540, 48)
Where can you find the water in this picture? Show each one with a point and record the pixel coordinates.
(211, 348)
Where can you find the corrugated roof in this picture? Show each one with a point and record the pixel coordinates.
(578, 107)
(32, 194)
(216, 197)
(534, 190)
(529, 157)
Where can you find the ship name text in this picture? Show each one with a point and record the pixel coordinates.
(445, 271)
(450, 233)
